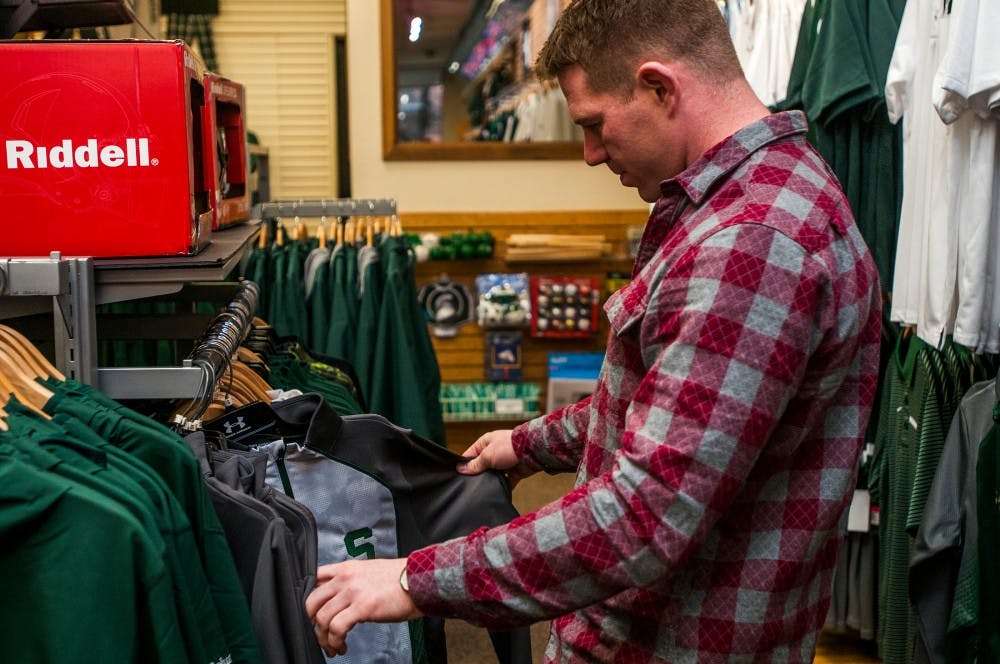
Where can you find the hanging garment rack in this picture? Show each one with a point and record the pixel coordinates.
(333, 207)
(71, 289)
(200, 372)
(214, 352)
(23, 15)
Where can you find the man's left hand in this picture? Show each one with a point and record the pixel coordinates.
(357, 591)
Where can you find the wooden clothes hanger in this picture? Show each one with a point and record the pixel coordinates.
(6, 390)
(244, 354)
(20, 381)
(321, 234)
(251, 378)
(27, 350)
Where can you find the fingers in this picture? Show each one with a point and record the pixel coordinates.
(478, 463)
(332, 636)
(357, 591)
(474, 467)
(321, 594)
(327, 572)
(477, 447)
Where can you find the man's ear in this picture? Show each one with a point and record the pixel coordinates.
(661, 79)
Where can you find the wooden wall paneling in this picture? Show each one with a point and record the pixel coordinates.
(461, 358)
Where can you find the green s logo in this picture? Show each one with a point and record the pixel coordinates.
(357, 543)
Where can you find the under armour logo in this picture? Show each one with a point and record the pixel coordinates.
(235, 426)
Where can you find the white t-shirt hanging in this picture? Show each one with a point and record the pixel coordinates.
(969, 76)
(765, 33)
(926, 255)
(967, 83)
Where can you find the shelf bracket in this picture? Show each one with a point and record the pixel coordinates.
(76, 323)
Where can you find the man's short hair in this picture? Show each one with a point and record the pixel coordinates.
(610, 38)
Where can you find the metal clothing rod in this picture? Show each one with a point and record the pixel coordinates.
(332, 207)
(214, 352)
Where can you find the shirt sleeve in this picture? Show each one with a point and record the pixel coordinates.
(726, 337)
(903, 67)
(554, 441)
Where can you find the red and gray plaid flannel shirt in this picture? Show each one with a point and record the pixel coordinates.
(716, 457)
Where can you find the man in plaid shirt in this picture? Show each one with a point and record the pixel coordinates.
(717, 455)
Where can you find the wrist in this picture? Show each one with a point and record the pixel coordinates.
(404, 583)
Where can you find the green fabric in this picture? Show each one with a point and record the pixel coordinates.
(988, 509)
(278, 261)
(343, 322)
(936, 410)
(406, 379)
(922, 390)
(81, 579)
(808, 30)
(841, 90)
(174, 462)
(319, 299)
(293, 297)
(258, 270)
(289, 373)
(137, 353)
(82, 457)
(368, 317)
(892, 481)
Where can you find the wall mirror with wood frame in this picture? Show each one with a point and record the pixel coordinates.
(457, 82)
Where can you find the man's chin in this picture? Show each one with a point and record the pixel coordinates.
(648, 196)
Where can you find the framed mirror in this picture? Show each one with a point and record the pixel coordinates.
(457, 82)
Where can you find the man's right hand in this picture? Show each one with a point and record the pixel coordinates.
(495, 450)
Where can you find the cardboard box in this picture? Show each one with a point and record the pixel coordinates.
(572, 376)
(103, 153)
(226, 151)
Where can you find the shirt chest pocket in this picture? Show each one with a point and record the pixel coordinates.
(626, 310)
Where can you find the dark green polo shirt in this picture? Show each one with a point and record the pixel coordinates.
(80, 578)
(166, 453)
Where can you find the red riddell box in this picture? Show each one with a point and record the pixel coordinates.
(103, 149)
(225, 145)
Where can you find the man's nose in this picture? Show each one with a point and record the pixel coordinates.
(594, 153)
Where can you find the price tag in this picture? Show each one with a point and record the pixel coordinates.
(509, 406)
(858, 517)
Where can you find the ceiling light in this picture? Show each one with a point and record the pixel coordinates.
(416, 25)
(454, 67)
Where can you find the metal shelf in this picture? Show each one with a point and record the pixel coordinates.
(71, 289)
(25, 15)
(122, 279)
(333, 207)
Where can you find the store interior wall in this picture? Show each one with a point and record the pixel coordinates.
(284, 55)
(456, 186)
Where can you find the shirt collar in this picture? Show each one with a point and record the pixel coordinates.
(720, 160)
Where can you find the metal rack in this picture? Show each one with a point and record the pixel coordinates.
(71, 288)
(333, 207)
(23, 15)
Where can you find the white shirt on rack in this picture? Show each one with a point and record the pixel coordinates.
(967, 87)
(765, 34)
(926, 254)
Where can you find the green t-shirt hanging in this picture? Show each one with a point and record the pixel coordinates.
(842, 93)
(173, 461)
(80, 579)
(110, 472)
